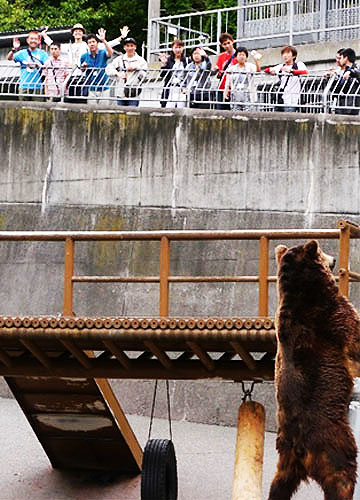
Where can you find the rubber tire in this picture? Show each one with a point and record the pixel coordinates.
(159, 471)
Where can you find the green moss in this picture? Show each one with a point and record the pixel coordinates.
(2, 222)
(105, 255)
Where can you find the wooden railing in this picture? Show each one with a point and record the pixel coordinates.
(344, 232)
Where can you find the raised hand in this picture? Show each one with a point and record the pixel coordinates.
(44, 31)
(124, 31)
(163, 57)
(101, 34)
(16, 43)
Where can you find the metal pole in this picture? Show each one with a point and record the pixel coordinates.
(263, 276)
(153, 27)
(344, 254)
(69, 272)
(164, 276)
(218, 31)
(291, 21)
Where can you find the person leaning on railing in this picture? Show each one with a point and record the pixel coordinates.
(172, 68)
(129, 70)
(196, 83)
(31, 61)
(289, 84)
(347, 88)
(240, 85)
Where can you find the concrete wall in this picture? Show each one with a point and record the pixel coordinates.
(81, 169)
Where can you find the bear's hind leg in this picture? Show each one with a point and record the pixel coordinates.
(287, 478)
(336, 474)
(339, 486)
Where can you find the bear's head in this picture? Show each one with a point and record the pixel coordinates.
(304, 270)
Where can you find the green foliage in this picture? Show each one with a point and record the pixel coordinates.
(112, 15)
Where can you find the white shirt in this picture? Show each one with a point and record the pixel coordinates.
(237, 80)
(290, 84)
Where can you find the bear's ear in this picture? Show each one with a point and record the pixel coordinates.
(312, 248)
(279, 252)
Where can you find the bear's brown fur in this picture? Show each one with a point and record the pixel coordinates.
(318, 347)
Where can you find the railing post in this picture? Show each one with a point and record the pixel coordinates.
(344, 255)
(323, 18)
(263, 275)
(218, 31)
(291, 21)
(68, 275)
(164, 276)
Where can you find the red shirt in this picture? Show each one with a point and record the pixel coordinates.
(220, 63)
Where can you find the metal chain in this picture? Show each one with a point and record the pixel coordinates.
(247, 391)
(153, 408)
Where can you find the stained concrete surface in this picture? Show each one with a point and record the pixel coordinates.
(205, 455)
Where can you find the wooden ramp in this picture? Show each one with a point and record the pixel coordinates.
(79, 423)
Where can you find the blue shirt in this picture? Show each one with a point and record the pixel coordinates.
(97, 78)
(30, 77)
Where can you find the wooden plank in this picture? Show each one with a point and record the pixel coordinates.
(61, 385)
(202, 355)
(248, 359)
(95, 435)
(65, 403)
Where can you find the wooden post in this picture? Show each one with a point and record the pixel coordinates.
(344, 255)
(68, 275)
(249, 452)
(164, 276)
(263, 276)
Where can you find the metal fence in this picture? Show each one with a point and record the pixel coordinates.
(312, 93)
(260, 24)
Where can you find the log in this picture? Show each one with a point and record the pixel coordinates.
(249, 452)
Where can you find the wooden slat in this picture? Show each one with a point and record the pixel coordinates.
(161, 355)
(37, 352)
(202, 355)
(77, 353)
(118, 353)
(244, 355)
(4, 358)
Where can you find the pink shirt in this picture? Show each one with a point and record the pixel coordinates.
(55, 72)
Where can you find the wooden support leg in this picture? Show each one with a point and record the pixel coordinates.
(249, 452)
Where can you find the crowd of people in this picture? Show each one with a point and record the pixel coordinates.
(85, 64)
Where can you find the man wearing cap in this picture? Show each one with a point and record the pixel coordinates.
(31, 61)
(94, 63)
(129, 69)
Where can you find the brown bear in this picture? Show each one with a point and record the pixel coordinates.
(317, 356)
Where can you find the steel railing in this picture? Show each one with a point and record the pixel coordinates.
(260, 24)
(312, 93)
